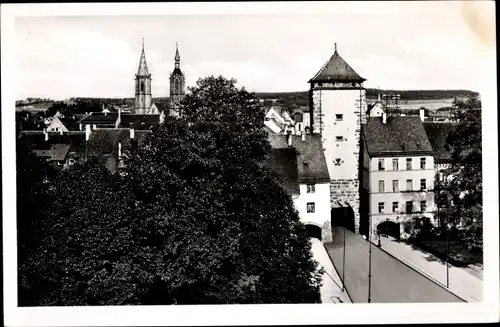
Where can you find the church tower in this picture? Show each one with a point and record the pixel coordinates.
(143, 98)
(337, 101)
(177, 81)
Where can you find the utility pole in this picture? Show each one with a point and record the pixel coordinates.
(370, 260)
(343, 259)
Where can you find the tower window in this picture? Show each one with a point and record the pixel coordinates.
(339, 117)
(142, 86)
(310, 207)
(339, 138)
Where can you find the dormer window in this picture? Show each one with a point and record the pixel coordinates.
(319, 84)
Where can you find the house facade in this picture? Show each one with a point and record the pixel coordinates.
(398, 175)
(311, 195)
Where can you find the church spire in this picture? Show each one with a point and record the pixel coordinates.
(143, 66)
(177, 57)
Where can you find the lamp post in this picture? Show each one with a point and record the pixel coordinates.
(369, 260)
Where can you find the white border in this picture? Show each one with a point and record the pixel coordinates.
(240, 314)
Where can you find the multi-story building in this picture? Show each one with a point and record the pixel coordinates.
(397, 175)
(300, 163)
(338, 109)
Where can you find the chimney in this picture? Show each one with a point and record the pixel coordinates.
(422, 114)
(119, 119)
(87, 132)
(379, 96)
(384, 118)
(289, 138)
(162, 117)
(303, 136)
(46, 136)
(80, 125)
(61, 132)
(93, 127)
(132, 133)
(119, 149)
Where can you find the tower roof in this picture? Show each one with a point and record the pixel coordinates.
(143, 66)
(177, 57)
(336, 69)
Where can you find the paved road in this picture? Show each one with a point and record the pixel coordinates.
(392, 281)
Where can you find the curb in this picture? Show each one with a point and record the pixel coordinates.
(343, 283)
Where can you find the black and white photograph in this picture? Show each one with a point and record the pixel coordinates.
(246, 160)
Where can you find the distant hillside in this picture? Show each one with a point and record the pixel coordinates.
(373, 93)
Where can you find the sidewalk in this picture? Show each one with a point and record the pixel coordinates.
(461, 282)
(331, 290)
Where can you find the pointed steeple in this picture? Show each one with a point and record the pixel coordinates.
(177, 56)
(336, 69)
(143, 66)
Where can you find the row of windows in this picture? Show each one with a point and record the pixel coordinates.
(409, 185)
(395, 164)
(409, 207)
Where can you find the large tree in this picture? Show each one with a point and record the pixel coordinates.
(227, 231)
(466, 182)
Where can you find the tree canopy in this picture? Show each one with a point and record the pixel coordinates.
(195, 218)
(466, 186)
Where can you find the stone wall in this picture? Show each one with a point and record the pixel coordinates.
(346, 190)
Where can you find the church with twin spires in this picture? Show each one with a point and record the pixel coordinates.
(143, 97)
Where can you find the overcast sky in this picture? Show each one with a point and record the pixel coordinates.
(399, 47)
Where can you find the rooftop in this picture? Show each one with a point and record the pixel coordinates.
(437, 134)
(311, 162)
(398, 136)
(284, 163)
(336, 69)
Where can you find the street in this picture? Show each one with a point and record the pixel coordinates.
(391, 282)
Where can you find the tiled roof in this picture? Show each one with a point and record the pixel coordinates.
(161, 107)
(36, 141)
(100, 118)
(336, 69)
(437, 134)
(284, 164)
(400, 135)
(70, 123)
(140, 122)
(309, 152)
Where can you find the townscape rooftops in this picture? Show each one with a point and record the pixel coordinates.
(311, 162)
(106, 140)
(71, 123)
(399, 135)
(140, 122)
(56, 152)
(283, 162)
(336, 69)
(437, 134)
(99, 118)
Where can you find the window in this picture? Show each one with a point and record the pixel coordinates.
(423, 184)
(337, 161)
(339, 117)
(408, 164)
(395, 185)
(423, 205)
(339, 138)
(310, 207)
(395, 206)
(381, 186)
(395, 164)
(409, 206)
(142, 86)
(409, 185)
(381, 164)
(305, 164)
(422, 163)
(311, 188)
(380, 207)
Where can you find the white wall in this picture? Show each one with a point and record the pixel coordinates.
(56, 126)
(340, 102)
(321, 199)
(377, 111)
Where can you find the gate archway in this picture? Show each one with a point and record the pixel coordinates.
(313, 231)
(343, 216)
(389, 228)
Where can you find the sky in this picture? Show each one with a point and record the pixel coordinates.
(398, 46)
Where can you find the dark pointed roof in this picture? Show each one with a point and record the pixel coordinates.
(177, 57)
(143, 66)
(336, 69)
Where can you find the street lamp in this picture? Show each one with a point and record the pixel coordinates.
(369, 259)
